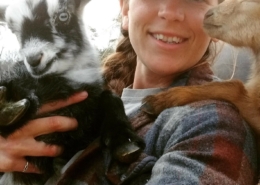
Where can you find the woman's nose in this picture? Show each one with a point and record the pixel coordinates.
(171, 10)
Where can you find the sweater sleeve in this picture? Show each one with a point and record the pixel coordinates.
(202, 143)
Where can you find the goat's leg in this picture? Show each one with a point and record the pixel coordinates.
(117, 133)
(228, 91)
(11, 112)
(232, 91)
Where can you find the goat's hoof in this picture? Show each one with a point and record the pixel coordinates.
(12, 112)
(152, 105)
(148, 108)
(155, 104)
(128, 152)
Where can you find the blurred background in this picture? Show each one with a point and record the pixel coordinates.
(103, 28)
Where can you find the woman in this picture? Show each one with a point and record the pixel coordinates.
(207, 142)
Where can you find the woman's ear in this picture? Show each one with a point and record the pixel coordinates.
(124, 13)
(125, 22)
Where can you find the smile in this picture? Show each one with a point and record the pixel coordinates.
(161, 37)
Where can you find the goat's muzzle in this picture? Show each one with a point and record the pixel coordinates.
(209, 14)
(34, 60)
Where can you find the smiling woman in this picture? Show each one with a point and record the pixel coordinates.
(163, 45)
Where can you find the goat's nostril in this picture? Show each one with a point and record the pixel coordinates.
(34, 60)
(209, 14)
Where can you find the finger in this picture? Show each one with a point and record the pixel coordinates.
(29, 168)
(45, 150)
(78, 97)
(39, 149)
(22, 166)
(45, 125)
(18, 165)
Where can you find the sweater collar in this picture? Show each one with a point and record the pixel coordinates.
(196, 76)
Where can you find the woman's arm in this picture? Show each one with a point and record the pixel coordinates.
(22, 142)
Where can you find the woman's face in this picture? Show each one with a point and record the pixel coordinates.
(167, 35)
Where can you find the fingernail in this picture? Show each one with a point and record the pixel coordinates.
(83, 94)
(74, 123)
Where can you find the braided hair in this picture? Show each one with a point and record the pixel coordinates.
(119, 67)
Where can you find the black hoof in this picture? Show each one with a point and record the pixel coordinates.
(11, 112)
(128, 152)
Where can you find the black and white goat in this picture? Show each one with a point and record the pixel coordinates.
(58, 61)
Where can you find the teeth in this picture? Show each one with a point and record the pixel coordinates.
(170, 39)
(167, 39)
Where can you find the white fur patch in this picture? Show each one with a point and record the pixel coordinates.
(16, 12)
(89, 76)
(53, 6)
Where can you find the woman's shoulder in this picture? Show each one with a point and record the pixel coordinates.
(210, 134)
(202, 116)
(204, 109)
(210, 119)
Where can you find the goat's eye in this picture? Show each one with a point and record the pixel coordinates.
(62, 18)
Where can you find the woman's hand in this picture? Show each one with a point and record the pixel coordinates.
(22, 142)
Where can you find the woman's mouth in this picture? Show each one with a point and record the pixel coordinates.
(168, 39)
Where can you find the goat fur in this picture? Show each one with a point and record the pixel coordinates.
(58, 60)
(236, 22)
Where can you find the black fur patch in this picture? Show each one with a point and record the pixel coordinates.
(72, 34)
(39, 26)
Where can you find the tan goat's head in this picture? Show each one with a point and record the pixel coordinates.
(236, 22)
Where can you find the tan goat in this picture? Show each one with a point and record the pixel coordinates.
(236, 22)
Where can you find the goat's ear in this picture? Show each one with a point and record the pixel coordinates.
(2, 11)
(80, 5)
(77, 6)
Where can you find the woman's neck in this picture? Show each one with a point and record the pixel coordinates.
(145, 78)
